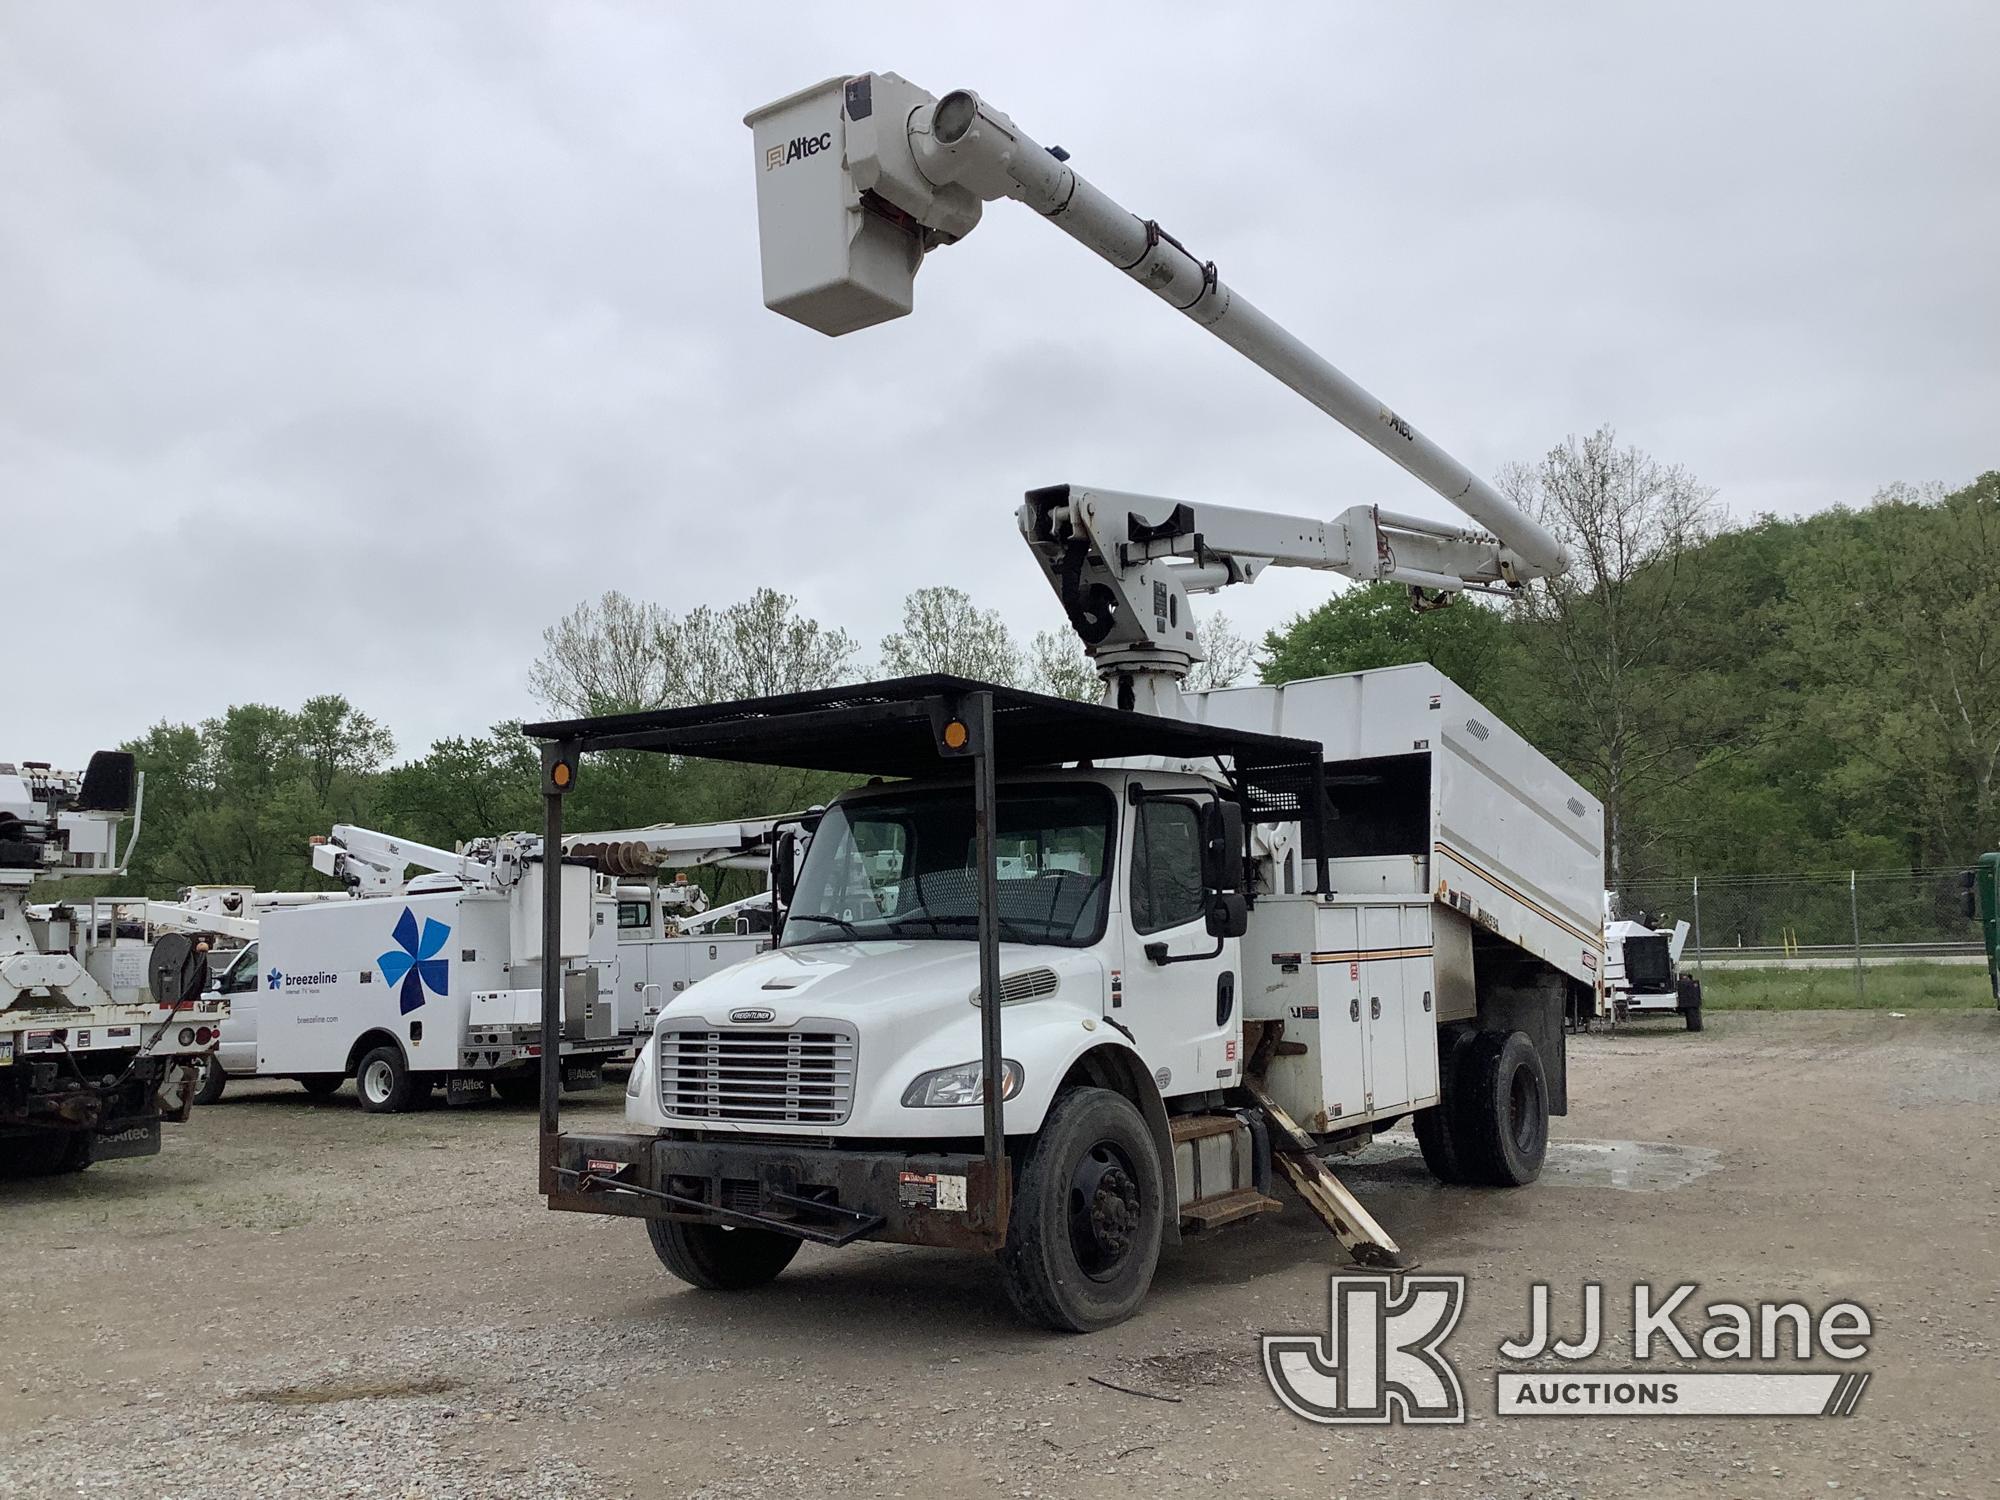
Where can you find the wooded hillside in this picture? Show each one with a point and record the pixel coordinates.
(1784, 695)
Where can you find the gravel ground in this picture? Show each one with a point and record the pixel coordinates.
(299, 1299)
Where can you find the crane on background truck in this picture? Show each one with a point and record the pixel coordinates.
(1203, 935)
(89, 1066)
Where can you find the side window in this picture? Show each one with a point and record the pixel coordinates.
(634, 914)
(242, 974)
(1166, 866)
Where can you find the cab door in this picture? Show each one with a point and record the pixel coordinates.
(1178, 995)
(236, 1051)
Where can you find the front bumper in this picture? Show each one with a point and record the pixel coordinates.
(818, 1193)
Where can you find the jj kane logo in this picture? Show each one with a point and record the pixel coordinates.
(1382, 1357)
(798, 148)
(414, 962)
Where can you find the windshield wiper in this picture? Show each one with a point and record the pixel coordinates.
(819, 916)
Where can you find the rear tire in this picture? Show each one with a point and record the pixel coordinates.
(386, 1084)
(1503, 1111)
(719, 1258)
(1438, 1130)
(209, 1080)
(1088, 1218)
(46, 1154)
(521, 1088)
(1690, 996)
(322, 1085)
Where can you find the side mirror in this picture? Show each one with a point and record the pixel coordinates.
(1968, 894)
(1228, 914)
(1222, 845)
(784, 866)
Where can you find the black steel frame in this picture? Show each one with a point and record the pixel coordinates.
(901, 728)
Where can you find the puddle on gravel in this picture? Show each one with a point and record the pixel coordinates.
(1628, 1166)
(352, 1390)
(1625, 1166)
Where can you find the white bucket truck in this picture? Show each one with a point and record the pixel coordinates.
(1074, 980)
(92, 1058)
(426, 983)
(668, 936)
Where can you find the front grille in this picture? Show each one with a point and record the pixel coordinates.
(758, 1076)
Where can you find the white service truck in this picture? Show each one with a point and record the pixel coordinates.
(647, 936)
(1074, 979)
(668, 936)
(423, 983)
(92, 1059)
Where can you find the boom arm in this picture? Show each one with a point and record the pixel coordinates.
(859, 177)
(371, 863)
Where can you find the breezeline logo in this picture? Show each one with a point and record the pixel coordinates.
(1379, 1360)
(414, 963)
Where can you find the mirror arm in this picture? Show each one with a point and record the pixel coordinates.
(1157, 953)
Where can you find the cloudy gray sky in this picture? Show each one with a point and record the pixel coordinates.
(342, 348)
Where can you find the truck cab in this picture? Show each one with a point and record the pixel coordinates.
(1189, 954)
(873, 986)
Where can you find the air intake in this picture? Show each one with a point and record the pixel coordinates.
(1025, 984)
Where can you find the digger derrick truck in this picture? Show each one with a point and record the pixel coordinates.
(1068, 982)
(89, 1066)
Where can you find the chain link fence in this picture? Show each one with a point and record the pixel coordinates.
(1851, 918)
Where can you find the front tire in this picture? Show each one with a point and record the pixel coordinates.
(719, 1258)
(386, 1084)
(1089, 1216)
(209, 1080)
(1503, 1119)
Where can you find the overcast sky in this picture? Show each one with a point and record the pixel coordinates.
(343, 348)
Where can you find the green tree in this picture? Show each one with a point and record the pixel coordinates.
(1372, 625)
(1892, 626)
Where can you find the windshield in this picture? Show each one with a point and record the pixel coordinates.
(903, 867)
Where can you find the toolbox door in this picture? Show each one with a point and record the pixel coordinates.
(1343, 1015)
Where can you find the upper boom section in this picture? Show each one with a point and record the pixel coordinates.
(858, 177)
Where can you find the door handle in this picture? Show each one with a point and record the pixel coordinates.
(1374, 1007)
(1354, 1010)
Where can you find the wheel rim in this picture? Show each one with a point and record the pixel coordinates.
(1105, 1212)
(1523, 1099)
(201, 1067)
(377, 1079)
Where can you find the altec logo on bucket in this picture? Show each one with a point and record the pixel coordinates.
(797, 149)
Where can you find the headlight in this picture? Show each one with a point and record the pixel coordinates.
(638, 1071)
(959, 1085)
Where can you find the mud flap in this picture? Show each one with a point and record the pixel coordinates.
(129, 1138)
